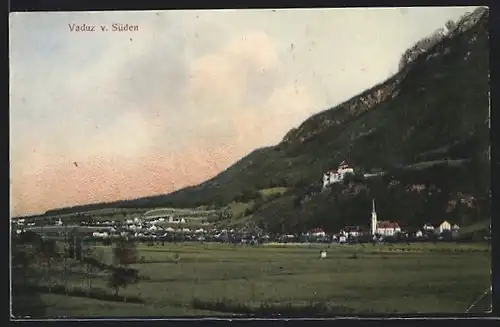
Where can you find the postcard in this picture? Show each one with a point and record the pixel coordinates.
(250, 163)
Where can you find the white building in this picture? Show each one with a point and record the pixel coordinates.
(383, 228)
(388, 228)
(100, 234)
(337, 176)
(428, 228)
(316, 232)
(446, 226)
(351, 231)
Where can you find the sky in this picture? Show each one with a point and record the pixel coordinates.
(107, 115)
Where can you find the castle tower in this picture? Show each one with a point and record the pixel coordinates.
(374, 218)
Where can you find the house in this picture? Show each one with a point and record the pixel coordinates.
(342, 239)
(428, 228)
(419, 234)
(455, 227)
(317, 232)
(100, 234)
(351, 231)
(443, 227)
(336, 176)
(388, 228)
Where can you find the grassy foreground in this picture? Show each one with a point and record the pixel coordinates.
(217, 279)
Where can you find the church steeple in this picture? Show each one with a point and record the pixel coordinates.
(374, 218)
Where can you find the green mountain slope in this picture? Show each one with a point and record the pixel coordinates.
(434, 110)
(440, 101)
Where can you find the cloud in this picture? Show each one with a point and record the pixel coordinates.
(220, 81)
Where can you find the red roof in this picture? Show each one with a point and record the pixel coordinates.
(387, 224)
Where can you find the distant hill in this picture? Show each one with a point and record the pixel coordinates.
(435, 110)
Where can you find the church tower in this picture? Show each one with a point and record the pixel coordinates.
(374, 218)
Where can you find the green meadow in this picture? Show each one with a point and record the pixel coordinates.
(220, 279)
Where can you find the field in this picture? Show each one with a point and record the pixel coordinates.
(218, 279)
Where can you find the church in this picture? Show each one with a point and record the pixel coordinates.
(383, 228)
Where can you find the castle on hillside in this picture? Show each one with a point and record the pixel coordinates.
(336, 176)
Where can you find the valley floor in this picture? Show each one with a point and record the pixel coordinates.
(219, 279)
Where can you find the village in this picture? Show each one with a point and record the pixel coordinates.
(171, 229)
(164, 225)
(158, 225)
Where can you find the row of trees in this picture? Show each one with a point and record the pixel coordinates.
(36, 264)
(423, 46)
(427, 43)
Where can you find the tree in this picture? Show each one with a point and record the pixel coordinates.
(47, 252)
(405, 59)
(26, 300)
(450, 25)
(88, 254)
(122, 277)
(124, 254)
